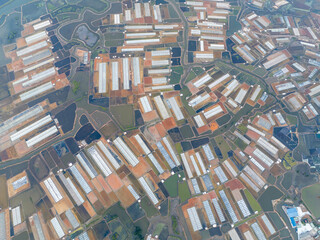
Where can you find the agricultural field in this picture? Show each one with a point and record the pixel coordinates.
(28, 199)
(183, 191)
(265, 200)
(124, 115)
(4, 191)
(252, 201)
(311, 197)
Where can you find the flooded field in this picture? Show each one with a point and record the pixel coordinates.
(85, 35)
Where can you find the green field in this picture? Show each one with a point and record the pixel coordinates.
(124, 114)
(265, 200)
(311, 198)
(148, 207)
(222, 144)
(184, 192)
(28, 200)
(252, 201)
(171, 184)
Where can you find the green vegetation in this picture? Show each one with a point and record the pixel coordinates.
(186, 93)
(252, 201)
(29, 198)
(223, 146)
(198, 70)
(234, 25)
(176, 75)
(183, 191)
(241, 144)
(265, 200)
(158, 229)
(171, 184)
(175, 224)
(124, 115)
(242, 128)
(311, 198)
(148, 207)
(191, 75)
(260, 71)
(287, 180)
(292, 119)
(288, 161)
(179, 148)
(75, 87)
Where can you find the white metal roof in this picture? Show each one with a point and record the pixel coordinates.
(263, 157)
(208, 152)
(126, 151)
(219, 80)
(161, 107)
(43, 135)
(148, 190)
(269, 64)
(86, 165)
(115, 76)
(204, 79)
(175, 108)
(199, 121)
(73, 191)
(268, 224)
(36, 37)
(157, 53)
(209, 212)
(142, 144)
(145, 104)
(40, 77)
(105, 150)
(53, 190)
(195, 165)
(258, 180)
(125, 73)
(57, 227)
(221, 175)
(186, 165)
(155, 163)
(244, 208)
(41, 25)
(32, 48)
(102, 77)
(194, 219)
(218, 210)
(257, 231)
(212, 112)
(40, 64)
(80, 179)
(16, 216)
(169, 147)
(36, 91)
(228, 206)
(267, 146)
(142, 41)
(133, 192)
(136, 71)
(159, 71)
(43, 121)
(257, 164)
(100, 161)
